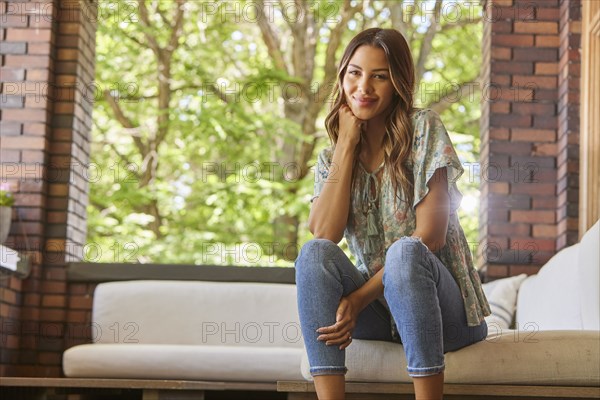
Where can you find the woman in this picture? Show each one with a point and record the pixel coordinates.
(388, 184)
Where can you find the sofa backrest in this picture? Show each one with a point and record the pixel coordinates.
(202, 313)
(565, 294)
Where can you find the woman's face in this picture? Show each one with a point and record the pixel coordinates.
(367, 83)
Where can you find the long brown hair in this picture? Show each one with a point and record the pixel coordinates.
(397, 142)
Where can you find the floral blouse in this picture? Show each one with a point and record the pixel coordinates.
(376, 222)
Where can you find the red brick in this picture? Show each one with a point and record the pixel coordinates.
(544, 230)
(497, 271)
(542, 68)
(12, 60)
(58, 189)
(52, 314)
(10, 128)
(24, 115)
(547, 41)
(534, 109)
(533, 244)
(67, 54)
(499, 133)
(500, 107)
(69, 28)
(64, 108)
(23, 142)
(510, 229)
(512, 40)
(538, 189)
(54, 286)
(533, 216)
(510, 148)
(11, 74)
(47, 358)
(55, 301)
(500, 80)
(502, 3)
(38, 48)
(516, 94)
(545, 94)
(40, 23)
(547, 14)
(33, 156)
(14, 21)
(511, 120)
(542, 82)
(535, 54)
(545, 149)
(34, 129)
(80, 302)
(10, 156)
(78, 316)
(28, 35)
(510, 67)
(36, 75)
(536, 27)
(494, 13)
(501, 53)
(505, 26)
(499, 187)
(545, 122)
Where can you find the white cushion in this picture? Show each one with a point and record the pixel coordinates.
(144, 361)
(550, 299)
(502, 297)
(201, 313)
(589, 277)
(512, 357)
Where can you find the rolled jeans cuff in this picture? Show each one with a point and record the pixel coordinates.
(428, 371)
(331, 370)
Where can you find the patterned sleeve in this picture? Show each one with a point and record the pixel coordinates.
(433, 149)
(321, 171)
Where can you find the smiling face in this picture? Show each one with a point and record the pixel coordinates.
(367, 84)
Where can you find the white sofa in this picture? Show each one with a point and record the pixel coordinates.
(218, 331)
(250, 332)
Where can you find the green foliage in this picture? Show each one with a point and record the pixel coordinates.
(6, 197)
(217, 183)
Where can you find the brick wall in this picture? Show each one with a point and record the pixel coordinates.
(45, 122)
(528, 133)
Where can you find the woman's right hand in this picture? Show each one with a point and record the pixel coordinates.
(350, 127)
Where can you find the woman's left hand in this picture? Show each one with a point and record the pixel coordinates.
(340, 333)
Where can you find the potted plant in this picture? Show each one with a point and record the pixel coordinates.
(6, 202)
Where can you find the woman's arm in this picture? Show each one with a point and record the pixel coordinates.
(329, 212)
(433, 212)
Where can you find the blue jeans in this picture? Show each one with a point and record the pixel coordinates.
(424, 300)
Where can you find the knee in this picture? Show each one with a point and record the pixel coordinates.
(313, 255)
(405, 259)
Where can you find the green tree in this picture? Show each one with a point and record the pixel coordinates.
(211, 115)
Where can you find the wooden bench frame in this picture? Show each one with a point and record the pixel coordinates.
(156, 389)
(151, 389)
(304, 390)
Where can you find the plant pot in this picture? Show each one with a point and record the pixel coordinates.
(5, 219)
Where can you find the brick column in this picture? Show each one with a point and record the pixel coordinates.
(567, 213)
(520, 152)
(47, 66)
